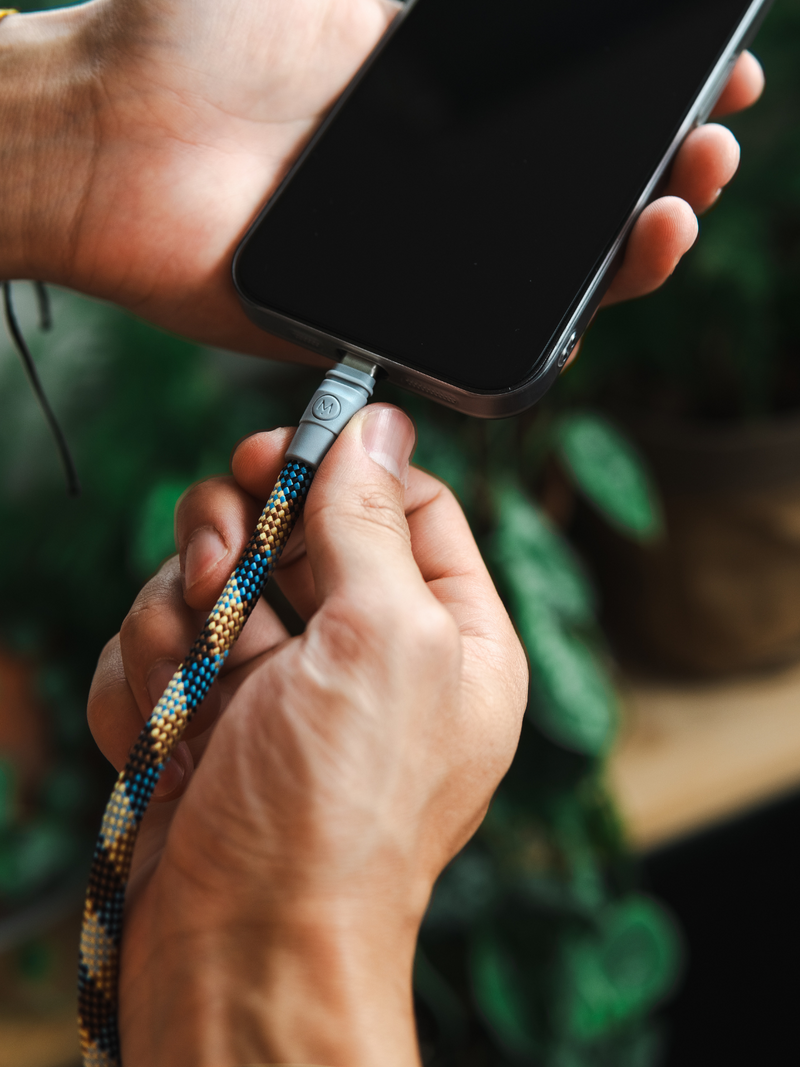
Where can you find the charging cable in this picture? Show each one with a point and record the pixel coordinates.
(345, 390)
(24, 352)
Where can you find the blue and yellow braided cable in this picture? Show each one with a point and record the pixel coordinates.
(344, 391)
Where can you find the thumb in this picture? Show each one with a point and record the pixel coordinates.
(356, 529)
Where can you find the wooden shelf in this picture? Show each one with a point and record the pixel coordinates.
(39, 1042)
(690, 755)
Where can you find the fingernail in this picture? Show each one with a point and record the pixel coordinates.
(204, 551)
(174, 771)
(159, 678)
(389, 437)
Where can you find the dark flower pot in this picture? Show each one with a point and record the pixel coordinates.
(720, 592)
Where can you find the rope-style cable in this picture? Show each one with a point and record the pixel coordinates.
(344, 391)
(98, 969)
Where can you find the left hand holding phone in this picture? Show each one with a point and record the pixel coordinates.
(151, 131)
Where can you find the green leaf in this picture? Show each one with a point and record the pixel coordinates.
(465, 890)
(550, 597)
(496, 988)
(576, 704)
(441, 453)
(31, 856)
(538, 567)
(619, 972)
(611, 473)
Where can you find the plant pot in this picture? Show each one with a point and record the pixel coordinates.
(720, 592)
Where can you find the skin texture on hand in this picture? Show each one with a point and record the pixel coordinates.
(279, 885)
(140, 138)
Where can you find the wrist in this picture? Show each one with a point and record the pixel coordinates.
(47, 140)
(326, 985)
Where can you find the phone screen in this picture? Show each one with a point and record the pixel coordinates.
(456, 205)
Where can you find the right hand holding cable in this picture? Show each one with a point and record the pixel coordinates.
(320, 792)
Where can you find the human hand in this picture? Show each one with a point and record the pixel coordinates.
(707, 160)
(143, 136)
(279, 883)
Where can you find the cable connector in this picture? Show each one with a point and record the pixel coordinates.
(345, 390)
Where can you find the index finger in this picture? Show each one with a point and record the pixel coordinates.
(448, 558)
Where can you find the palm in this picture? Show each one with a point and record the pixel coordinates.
(203, 107)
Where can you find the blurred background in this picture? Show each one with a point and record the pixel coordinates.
(630, 900)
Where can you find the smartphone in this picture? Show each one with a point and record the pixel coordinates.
(460, 213)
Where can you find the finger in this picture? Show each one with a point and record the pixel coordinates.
(449, 561)
(454, 570)
(744, 87)
(112, 711)
(159, 631)
(215, 518)
(251, 467)
(357, 537)
(258, 458)
(664, 232)
(442, 546)
(115, 722)
(295, 577)
(385, 572)
(428, 505)
(707, 161)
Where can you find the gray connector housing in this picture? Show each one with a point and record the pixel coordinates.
(343, 392)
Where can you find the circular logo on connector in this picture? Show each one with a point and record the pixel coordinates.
(326, 408)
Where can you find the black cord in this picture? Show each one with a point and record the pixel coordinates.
(73, 483)
(43, 299)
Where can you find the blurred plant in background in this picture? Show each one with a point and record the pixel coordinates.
(538, 947)
(146, 415)
(705, 376)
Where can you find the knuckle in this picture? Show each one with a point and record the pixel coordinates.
(434, 633)
(425, 639)
(200, 500)
(196, 493)
(443, 493)
(372, 507)
(348, 632)
(109, 673)
(150, 605)
(420, 637)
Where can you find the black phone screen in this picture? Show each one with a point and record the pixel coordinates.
(455, 206)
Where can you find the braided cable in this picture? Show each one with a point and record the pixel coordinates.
(345, 389)
(98, 968)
